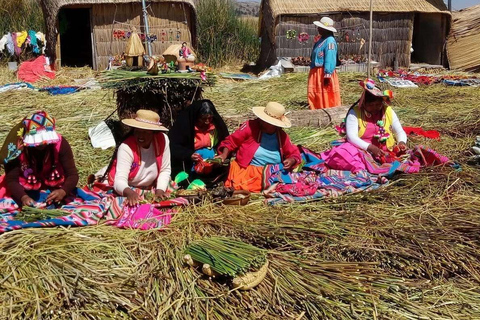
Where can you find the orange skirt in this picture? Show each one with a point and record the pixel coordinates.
(321, 96)
(249, 178)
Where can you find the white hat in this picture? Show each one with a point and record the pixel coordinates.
(273, 113)
(325, 23)
(147, 120)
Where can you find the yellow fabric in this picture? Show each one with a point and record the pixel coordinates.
(388, 125)
(21, 37)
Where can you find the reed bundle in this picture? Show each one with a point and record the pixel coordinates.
(29, 214)
(227, 257)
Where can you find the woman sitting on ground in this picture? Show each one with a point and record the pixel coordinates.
(194, 138)
(370, 125)
(257, 143)
(142, 161)
(37, 158)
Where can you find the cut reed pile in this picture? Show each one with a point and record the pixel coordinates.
(354, 257)
(410, 250)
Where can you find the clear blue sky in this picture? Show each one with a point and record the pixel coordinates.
(460, 4)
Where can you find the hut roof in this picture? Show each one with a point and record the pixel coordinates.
(463, 43)
(63, 3)
(309, 7)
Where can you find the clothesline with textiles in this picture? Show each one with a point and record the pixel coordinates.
(425, 79)
(14, 43)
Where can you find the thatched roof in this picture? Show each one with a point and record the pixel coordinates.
(57, 4)
(51, 8)
(463, 45)
(309, 7)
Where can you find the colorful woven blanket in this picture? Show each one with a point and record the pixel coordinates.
(318, 180)
(90, 206)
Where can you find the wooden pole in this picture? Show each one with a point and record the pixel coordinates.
(370, 41)
(147, 29)
(449, 5)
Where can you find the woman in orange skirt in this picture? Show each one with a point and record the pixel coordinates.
(257, 143)
(323, 85)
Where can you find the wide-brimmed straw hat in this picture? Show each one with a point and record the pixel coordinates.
(273, 113)
(147, 120)
(325, 23)
(369, 85)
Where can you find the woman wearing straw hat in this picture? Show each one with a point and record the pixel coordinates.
(257, 143)
(323, 85)
(142, 160)
(37, 158)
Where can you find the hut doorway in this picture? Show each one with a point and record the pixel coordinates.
(75, 37)
(429, 34)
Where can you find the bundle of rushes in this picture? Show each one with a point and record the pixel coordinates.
(166, 94)
(29, 214)
(408, 251)
(226, 256)
(123, 78)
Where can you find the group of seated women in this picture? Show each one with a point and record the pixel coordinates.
(38, 158)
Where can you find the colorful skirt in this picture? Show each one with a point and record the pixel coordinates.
(319, 95)
(249, 178)
(348, 157)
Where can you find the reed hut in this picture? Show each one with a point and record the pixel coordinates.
(397, 26)
(463, 46)
(90, 32)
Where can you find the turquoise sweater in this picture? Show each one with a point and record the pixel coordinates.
(324, 54)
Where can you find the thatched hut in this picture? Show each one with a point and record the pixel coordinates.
(397, 26)
(90, 32)
(463, 45)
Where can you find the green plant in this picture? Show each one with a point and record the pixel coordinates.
(20, 15)
(224, 38)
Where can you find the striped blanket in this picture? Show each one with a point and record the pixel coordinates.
(90, 206)
(316, 180)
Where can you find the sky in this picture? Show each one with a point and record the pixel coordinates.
(460, 4)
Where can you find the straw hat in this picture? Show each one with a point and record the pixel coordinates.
(273, 113)
(147, 120)
(325, 23)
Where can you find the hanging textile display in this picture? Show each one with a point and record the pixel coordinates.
(19, 43)
(120, 34)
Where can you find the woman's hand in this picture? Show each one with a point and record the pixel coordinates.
(288, 163)
(375, 151)
(223, 155)
(196, 157)
(160, 194)
(326, 82)
(132, 197)
(402, 146)
(56, 196)
(27, 201)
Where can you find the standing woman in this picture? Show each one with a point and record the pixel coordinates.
(323, 85)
